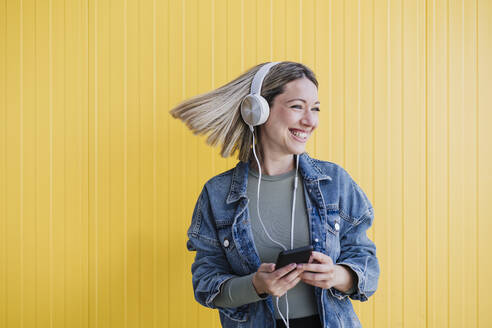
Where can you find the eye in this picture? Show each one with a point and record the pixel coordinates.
(296, 106)
(315, 109)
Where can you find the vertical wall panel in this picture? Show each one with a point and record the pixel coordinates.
(205, 79)
(14, 219)
(147, 172)
(351, 109)
(44, 303)
(307, 46)
(413, 166)
(98, 182)
(323, 37)
(439, 179)
(395, 161)
(102, 156)
(133, 172)
(469, 195)
(484, 154)
(28, 164)
(76, 162)
(116, 240)
(437, 229)
(337, 101)
(220, 58)
(383, 299)
(190, 165)
(278, 22)
(60, 192)
(161, 16)
(3, 161)
(457, 256)
(293, 25)
(176, 168)
(365, 157)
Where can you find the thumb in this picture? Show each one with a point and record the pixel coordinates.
(267, 267)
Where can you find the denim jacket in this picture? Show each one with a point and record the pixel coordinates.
(339, 215)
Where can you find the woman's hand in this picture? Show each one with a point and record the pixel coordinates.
(276, 282)
(323, 273)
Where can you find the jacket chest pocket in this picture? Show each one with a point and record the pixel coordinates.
(332, 233)
(228, 245)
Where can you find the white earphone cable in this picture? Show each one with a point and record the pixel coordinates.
(294, 207)
(285, 320)
(258, 198)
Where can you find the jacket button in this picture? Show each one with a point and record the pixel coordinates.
(316, 240)
(337, 226)
(226, 243)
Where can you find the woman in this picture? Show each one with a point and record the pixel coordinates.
(238, 229)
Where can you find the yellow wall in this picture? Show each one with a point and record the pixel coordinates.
(98, 183)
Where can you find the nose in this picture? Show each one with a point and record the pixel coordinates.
(309, 119)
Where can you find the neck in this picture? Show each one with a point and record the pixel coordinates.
(277, 165)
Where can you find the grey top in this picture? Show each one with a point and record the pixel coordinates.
(276, 194)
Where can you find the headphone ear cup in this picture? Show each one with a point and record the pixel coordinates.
(254, 110)
(265, 110)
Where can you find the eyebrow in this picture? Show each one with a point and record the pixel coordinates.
(301, 100)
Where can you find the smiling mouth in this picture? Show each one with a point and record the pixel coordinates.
(299, 135)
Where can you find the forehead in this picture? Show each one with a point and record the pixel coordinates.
(302, 88)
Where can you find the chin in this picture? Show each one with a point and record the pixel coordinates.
(297, 151)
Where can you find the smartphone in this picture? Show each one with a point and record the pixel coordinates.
(296, 255)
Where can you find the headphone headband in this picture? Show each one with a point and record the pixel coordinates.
(259, 76)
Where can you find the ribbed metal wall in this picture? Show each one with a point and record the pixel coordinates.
(98, 182)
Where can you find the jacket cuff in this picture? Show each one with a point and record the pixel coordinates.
(237, 314)
(243, 287)
(356, 292)
(220, 280)
(237, 291)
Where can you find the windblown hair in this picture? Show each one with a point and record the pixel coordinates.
(218, 113)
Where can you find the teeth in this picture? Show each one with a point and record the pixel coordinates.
(299, 134)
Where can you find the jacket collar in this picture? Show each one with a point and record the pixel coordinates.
(308, 169)
(239, 182)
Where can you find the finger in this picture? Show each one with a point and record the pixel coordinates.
(320, 257)
(284, 270)
(322, 284)
(317, 276)
(267, 267)
(293, 283)
(288, 286)
(316, 267)
(291, 276)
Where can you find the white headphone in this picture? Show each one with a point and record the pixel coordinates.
(254, 108)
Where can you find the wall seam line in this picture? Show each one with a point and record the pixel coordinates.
(477, 177)
(21, 158)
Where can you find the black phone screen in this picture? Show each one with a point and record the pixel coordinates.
(296, 255)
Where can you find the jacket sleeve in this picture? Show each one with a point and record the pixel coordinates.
(357, 251)
(210, 269)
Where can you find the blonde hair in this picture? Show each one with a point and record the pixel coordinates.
(217, 113)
